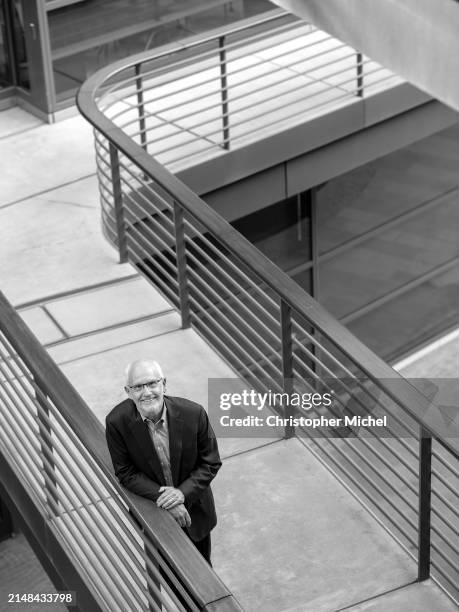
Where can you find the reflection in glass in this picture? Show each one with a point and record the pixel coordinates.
(86, 36)
(22, 67)
(390, 287)
(392, 259)
(5, 74)
(362, 199)
(282, 233)
(409, 320)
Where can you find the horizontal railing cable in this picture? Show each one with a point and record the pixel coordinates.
(238, 289)
(48, 461)
(301, 88)
(226, 306)
(260, 325)
(358, 484)
(48, 458)
(223, 348)
(245, 341)
(140, 259)
(341, 382)
(274, 109)
(253, 91)
(94, 499)
(305, 111)
(157, 574)
(147, 213)
(141, 231)
(444, 482)
(147, 186)
(235, 293)
(231, 74)
(451, 563)
(350, 375)
(446, 502)
(79, 502)
(446, 464)
(224, 257)
(108, 553)
(331, 375)
(138, 225)
(160, 256)
(179, 63)
(225, 333)
(232, 295)
(444, 520)
(444, 573)
(366, 444)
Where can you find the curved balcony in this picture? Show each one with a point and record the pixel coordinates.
(253, 314)
(240, 100)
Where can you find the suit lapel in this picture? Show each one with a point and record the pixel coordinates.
(175, 425)
(142, 437)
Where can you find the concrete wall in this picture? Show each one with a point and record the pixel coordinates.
(418, 39)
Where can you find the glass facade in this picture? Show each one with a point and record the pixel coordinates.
(14, 68)
(85, 36)
(376, 246)
(283, 233)
(21, 64)
(389, 254)
(387, 262)
(5, 62)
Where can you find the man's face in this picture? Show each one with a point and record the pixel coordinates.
(146, 388)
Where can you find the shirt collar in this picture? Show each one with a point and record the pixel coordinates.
(162, 416)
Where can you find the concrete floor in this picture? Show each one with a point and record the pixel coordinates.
(20, 572)
(290, 537)
(412, 598)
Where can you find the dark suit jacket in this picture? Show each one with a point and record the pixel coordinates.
(193, 454)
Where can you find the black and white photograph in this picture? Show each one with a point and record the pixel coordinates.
(229, 305)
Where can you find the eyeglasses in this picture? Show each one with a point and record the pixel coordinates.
(152, 384)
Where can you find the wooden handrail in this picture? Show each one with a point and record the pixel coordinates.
(202, 583)
(288, 291)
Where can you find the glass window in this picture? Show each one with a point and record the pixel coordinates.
(413, 318)
(362, 199)
(389, 261)
(281, 232)
(86, 36)
(388, 268)
(21, 62)
(5, 77)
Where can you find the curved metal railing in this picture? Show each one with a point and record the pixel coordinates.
(116, 550)
(202, 97)
(258, 318)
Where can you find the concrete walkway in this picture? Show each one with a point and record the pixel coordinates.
(290, 537)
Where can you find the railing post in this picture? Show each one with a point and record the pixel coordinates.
(118, 203)
(181, 265)
(359, 75)
(154, 588)
(140, 106)
(45, 432)
(425, 474)
(224, 92)
(309, 200)
(287, 361)
(6, 522)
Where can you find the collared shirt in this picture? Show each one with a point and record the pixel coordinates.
(159, 434)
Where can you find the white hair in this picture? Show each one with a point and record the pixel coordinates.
(131, 366)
